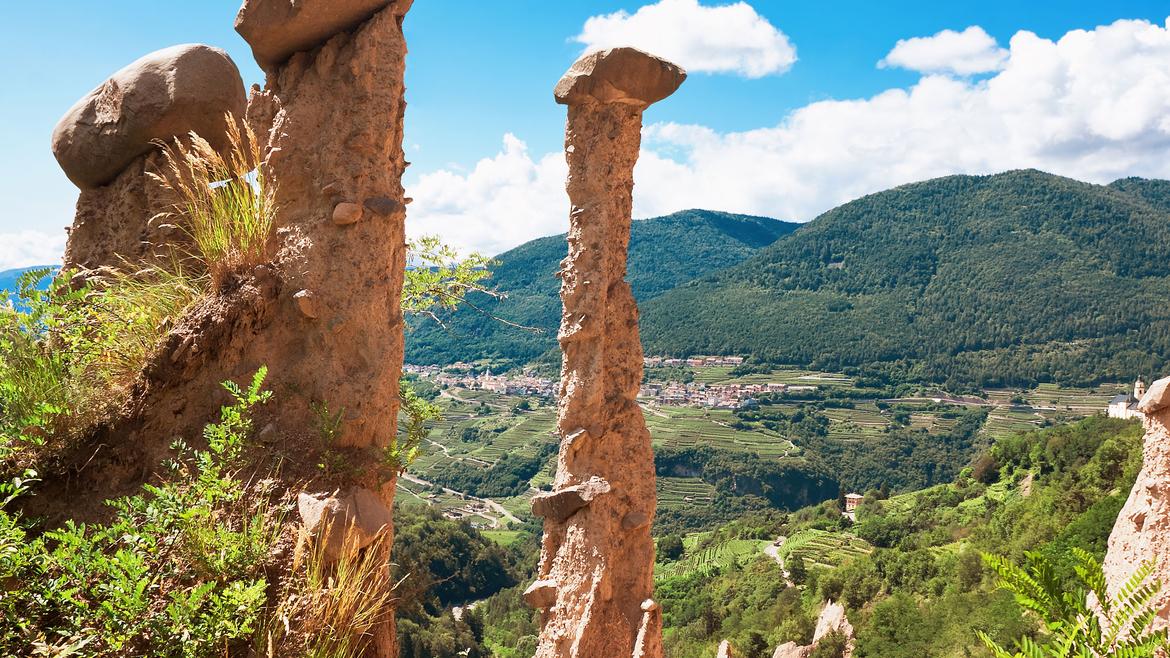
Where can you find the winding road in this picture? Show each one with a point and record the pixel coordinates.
(498, 508)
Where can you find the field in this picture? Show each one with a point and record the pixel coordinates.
(790, 376)
(479, 427)
(691, 426)
(675, 492)
(862, 422)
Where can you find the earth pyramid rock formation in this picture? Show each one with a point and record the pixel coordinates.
(597, 559)
(323, 310)
(106, 143)
(331, 120)
(1142, 530)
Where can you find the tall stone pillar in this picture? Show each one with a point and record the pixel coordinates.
(1142, 530)
(106, 143)
(331, 116)
(596, 573)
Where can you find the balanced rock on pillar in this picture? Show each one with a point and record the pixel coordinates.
(619, 75)
(167, 93)
(107, 142)
(597, 548)
(330, 119)
(277, 29)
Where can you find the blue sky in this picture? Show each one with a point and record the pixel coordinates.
(485, 136)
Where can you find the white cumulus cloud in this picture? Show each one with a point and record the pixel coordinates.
(503, 201)
(1093, 105)
(731, 38)
(968, 52)
(28, 248)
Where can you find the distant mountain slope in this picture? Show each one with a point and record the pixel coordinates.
(1004, 279)
(8, 278)
(664, 252)
(1154, 192)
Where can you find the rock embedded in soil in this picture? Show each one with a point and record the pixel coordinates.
(597, 548)
(350, 522)
(277, 29)
(165, 94)
(541, 594)
(560, 505)
(307, 304)
(347, 213)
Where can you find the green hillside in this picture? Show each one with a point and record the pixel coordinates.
(9, 278)
(1008, 279)
(664, 252)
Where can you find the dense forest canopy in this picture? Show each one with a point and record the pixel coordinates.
(968, 280)
(664, 252)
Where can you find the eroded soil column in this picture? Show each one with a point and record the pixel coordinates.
(331, 116)
(597, 560)
(334, 159)
(1142, 530)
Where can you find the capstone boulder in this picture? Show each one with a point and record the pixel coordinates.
(277, 29)
(168, 93)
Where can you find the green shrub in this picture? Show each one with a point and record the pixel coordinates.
(178, 572)
(68, 353)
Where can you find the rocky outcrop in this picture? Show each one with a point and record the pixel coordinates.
(831, 620)
(344, 522)
(278, 29)
(597, 558)
(1142, 530)
(324, 312)
(107, 142)
(792, 650)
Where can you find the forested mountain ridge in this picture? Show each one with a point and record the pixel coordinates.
(969, 280)
(664, 252)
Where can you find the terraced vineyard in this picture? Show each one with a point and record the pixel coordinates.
(677, 492)
(691, 426)
(707, 559)
(1005, 421)
(863, 422)
(823, 548)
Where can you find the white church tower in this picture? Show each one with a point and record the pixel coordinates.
(1125, 406)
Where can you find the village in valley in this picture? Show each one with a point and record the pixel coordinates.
(490, 419)
(671, 381)
(656, 388)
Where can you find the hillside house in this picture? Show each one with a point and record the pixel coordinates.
(852, 501)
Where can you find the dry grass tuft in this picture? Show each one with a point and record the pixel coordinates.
(223, 204)
(331, 607)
